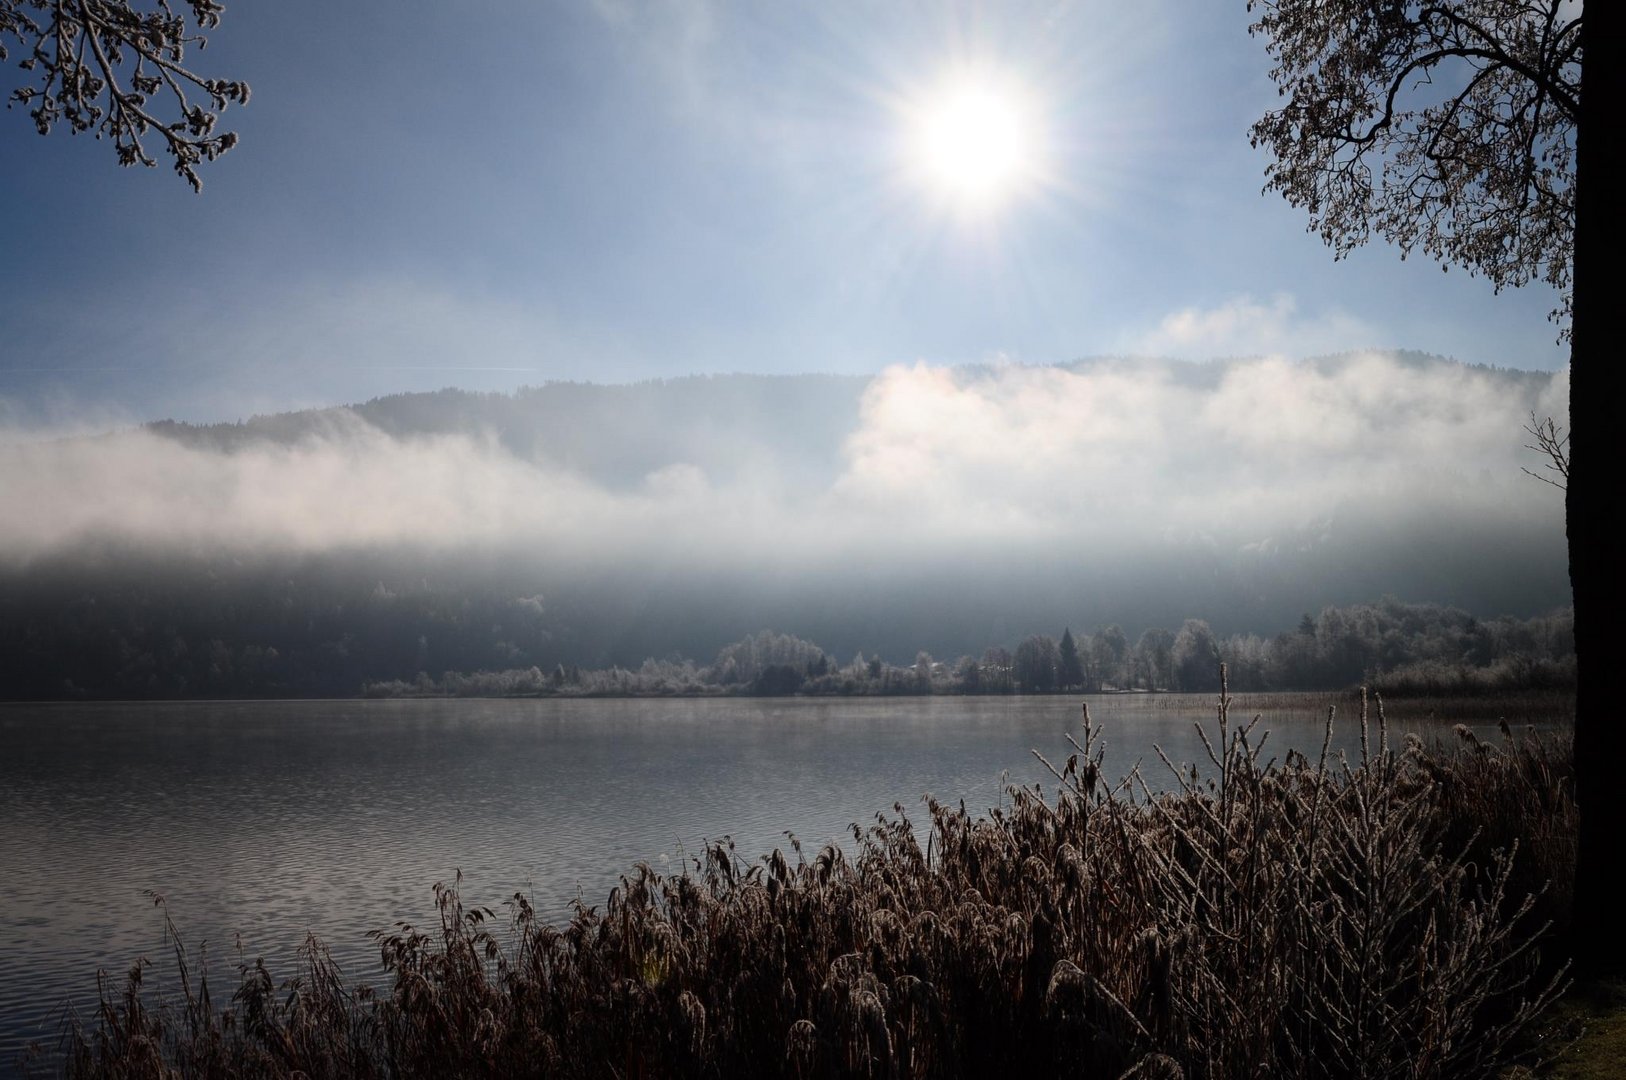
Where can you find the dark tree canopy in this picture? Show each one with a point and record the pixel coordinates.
(1445, 127)
(117, 68)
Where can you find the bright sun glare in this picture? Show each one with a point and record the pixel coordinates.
(975, 142)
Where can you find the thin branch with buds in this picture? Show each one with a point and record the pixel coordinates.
(1554, 443)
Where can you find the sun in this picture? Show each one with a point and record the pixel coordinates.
(976, 141)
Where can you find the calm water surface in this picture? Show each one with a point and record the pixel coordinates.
(261, 821)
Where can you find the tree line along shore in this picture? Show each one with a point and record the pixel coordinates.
(1403, 650)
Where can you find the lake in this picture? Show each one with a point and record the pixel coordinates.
(260, 821)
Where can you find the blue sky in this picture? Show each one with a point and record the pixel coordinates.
(489, 194)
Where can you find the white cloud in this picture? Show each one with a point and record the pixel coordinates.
(1244, 326)
(1138, 448)
(941, 460)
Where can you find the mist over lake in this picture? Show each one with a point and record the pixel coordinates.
(945, 510)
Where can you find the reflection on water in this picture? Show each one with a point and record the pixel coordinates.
(261, 821)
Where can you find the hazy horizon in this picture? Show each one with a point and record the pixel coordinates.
(937, 508)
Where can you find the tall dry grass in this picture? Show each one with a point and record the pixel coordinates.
(1309, 917)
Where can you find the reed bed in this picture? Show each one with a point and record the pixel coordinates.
(1308, 917)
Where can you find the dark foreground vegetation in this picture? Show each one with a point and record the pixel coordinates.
(1391, 916)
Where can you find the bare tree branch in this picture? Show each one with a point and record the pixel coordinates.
(105, 66)
(1553, 443)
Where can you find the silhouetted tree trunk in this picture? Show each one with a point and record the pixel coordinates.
(1455, 129)
(1593, 505)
